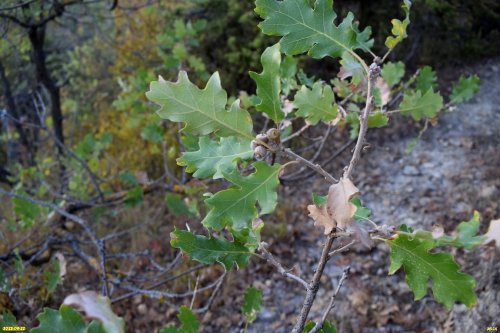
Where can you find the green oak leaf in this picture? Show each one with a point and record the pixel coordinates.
(312, 30)
(236, 206)
(327, 327)
(448, 283)
(351, 68)
(399, 27)
(269, 84)
(393, 72)
(418, 106)
(202, 110)
(426, 79)
(8, 319)
(252, 303)
(214, 157)
(189, 322)
(466, 235)
(209, 250)
(464, 89)
(63, 321)
(316, 104)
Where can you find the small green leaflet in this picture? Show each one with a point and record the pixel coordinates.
(252, 304)
(152, 132)
(177, 206)
(362, 213)
(448, 284)
(426, 79)
(214, 157)
(418, 106)
(327, 327)
(269, 84)
(208, 250)
(52, 276)
(63, 321)
(189, 322)
(375, 120)
(312, 30)
(316, 104)
(319, 200)
(202, 110)
(393, 72)
(236, 206)
(134, 196)
(27, 211)
(398, 27)
(464, 89)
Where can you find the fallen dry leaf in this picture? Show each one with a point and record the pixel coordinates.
(493, 233)
(338, 205)
(96, 307)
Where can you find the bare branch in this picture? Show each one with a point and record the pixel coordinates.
(363, 120)
(315, 167)
(314, 285)
(270, 258)
(320, 323)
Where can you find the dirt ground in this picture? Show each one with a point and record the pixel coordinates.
(453, 170)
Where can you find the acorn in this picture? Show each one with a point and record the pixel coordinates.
(259, 153)
(273, 134)
(262, 137)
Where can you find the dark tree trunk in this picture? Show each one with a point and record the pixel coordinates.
(37, 38)
(13, 112)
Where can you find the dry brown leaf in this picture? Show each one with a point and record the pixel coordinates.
(493, 233)
(385, 90)
(321, 217)
(339, 207)
(96, 307)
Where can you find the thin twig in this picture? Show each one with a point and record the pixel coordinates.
(315, 167)
(320, 323)
(296, 134)
(363, 120)
(270, 258)
(341, 249)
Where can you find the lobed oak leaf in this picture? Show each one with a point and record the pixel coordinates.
(338, 210)
(321, 217)
(339, 206)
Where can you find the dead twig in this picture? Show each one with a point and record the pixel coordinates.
(270, 258)
(331, 305)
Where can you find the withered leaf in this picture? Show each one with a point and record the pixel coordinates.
(493, 233)
(339, 206)
(321, 217)
(338, 210)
